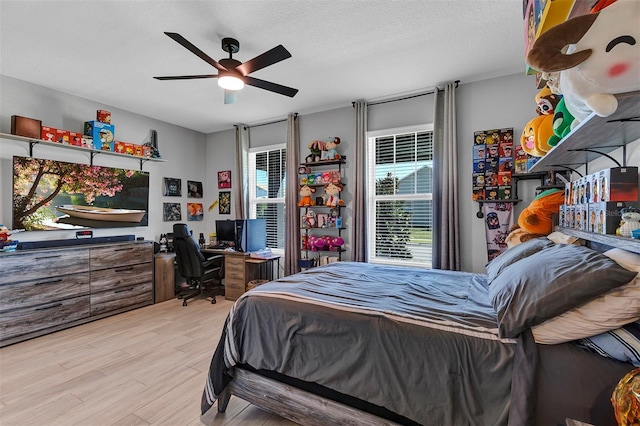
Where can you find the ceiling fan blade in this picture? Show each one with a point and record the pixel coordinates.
(272, 87)
(193, 49)
(186, 77)
(270, 57)
(230, 96)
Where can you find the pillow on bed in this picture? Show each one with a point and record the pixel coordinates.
(622, 344)
(514, 254)
(549, 283)
(609, 311)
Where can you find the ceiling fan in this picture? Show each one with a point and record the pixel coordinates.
(233, 74)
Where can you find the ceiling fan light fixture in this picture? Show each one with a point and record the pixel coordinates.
(230, 82)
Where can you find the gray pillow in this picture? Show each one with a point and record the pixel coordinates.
(549, 283)
(514, 254)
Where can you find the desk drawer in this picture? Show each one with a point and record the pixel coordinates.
(119, 298)
(22, 321)
(44, 290)
(234, 263)
(108, 279)
(46, 263)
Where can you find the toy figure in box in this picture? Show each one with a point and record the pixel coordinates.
(330, 152)
(310, 219)
(603, 57)
(332, 195)
(305, 193)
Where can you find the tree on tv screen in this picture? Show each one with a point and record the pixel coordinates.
(36, 182)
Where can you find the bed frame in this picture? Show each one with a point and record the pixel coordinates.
(306, 408)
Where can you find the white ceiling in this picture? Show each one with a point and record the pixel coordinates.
(109, 50)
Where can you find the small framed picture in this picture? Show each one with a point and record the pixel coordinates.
(224, 202)
(172, 187)
(171, 212)
(195, 211)
(194, 189)
(224, 179)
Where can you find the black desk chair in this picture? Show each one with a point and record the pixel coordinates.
(204, 276)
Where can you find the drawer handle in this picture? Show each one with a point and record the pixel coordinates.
(124, 269)
(49, 257)
(57, 305)
(123, 290)
(49, 282)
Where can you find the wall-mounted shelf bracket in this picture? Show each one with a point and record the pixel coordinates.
(562, 166)
(480, 214)
(600, 153)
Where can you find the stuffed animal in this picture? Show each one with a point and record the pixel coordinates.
(563, 123)
(536, 134)
(310, 219)
(518, 235)
(330, 152)
(305, 193)
(316, 147)
(318, 243)
(336, 243)
(546, 101)
(5, 233)
(630, 220)
(603, 57)
(537, 217)
(332, 195)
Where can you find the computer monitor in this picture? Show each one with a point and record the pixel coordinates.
(226, 231)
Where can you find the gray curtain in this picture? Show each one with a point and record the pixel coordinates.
(241, 185)
(292, 226)
(359, 217)
(446, 235)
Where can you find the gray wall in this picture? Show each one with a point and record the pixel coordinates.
(495, 103)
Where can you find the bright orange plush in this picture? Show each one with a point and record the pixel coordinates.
(536, 134)
(537, 218)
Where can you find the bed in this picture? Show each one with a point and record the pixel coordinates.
(357, 343)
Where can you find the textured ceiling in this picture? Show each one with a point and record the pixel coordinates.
(109, 50)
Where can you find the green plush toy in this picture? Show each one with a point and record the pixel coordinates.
(563, 123)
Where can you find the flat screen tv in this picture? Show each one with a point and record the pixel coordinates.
(55, 195)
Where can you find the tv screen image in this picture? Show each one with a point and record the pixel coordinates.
(55, 195)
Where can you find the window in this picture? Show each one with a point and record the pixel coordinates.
(400, 196)
(267, 187)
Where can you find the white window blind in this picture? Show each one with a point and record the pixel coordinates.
(267, 188)
(400, 196)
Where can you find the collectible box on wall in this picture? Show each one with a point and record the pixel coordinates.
(48, 134)
(103, 116)
(103, 135)
(23, 126)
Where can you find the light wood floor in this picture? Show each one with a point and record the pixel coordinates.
(143, 367)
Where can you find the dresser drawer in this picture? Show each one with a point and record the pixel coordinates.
(44, 290)
(119, 298)
(119, 255)
(122, 276)
(46, 263)
(26, 320)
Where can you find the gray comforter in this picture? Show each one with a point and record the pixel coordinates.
(420, 343)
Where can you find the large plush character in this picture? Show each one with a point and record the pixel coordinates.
(537, 217)
(546, 101)
(536, 134)
(563, 123)
(602, 57)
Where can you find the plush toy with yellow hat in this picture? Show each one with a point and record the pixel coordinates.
(537, 218)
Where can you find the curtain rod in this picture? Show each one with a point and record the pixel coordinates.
(271, 122)
(406, 97)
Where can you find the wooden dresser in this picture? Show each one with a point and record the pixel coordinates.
(42, 291)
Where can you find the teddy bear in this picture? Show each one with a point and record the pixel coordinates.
(602, 58)
(330, 152)
(537, 217)
(336, 243)
(305, 193)
(316, 147)
(332, 195)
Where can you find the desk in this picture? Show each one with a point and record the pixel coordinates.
(240, 268)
